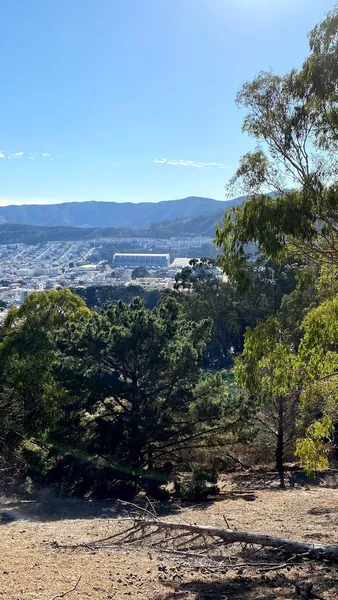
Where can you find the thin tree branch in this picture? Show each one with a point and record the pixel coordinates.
(63, 594)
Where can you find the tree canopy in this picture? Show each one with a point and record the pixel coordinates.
(136, 374)
(140, 273)
(293, 119)
(30, 398)
(94, 400)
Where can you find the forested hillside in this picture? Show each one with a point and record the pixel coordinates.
(198, 225)
(109, 214)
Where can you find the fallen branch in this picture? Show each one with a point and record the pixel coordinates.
(171, 539)
(111, 537)
(63, 594)
(229, 536)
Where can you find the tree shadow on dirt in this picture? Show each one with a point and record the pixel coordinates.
(220, 498)
(264, 587)
(48, 507)
(261, 479)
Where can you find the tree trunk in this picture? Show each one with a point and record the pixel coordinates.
(135, 450)
(150, 459)
(229, 536)
(280, 442)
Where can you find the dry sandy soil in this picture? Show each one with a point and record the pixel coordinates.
(35, 566)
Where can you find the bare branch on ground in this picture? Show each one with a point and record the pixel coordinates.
(63, 594)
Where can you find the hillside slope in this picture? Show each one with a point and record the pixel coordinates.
(110, 214)
(20, 233)
(202, 224)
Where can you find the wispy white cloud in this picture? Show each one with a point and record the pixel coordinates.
(189, 163)
(15, 155)
(31, 155)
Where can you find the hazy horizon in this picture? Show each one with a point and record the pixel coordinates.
(49, 202)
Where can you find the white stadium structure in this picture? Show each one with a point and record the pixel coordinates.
(141, 260)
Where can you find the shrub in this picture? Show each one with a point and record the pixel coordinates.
(202, 485)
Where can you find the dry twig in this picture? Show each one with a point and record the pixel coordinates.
(139, 508)
(63, 594)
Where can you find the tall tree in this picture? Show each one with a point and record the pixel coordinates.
(206, 296)
(318, 360)
(294, 121)
(267, 370)
(140, 394)
(232, 308)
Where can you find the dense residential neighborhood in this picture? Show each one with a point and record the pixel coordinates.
(26, 268)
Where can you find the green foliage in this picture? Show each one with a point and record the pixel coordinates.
(295, 305)
(103, 295)
(317, 81)
(204, 295)
(295, 116)
(108, 402)
(199, 272)
(35, 456)
(283, 226)
(268, 371)
(201, 487)
(30, 398)
(294, 356)
(318, 358)
(140, 273)
(311, 450)
(138, 393)
(265, 366)
(232, 308)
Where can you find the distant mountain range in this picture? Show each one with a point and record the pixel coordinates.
(200, 224)
(113, 214)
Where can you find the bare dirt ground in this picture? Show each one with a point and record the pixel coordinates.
(34, 566)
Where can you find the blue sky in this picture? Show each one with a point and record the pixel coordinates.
(133, 100)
